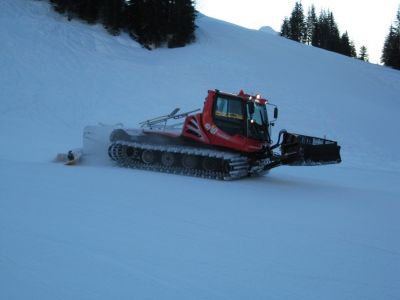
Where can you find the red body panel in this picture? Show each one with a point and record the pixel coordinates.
(202, 128)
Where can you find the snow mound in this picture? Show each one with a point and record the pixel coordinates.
(268, 29)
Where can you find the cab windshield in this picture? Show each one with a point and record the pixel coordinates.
(257, 122)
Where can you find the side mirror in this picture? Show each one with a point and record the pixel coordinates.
(275, 113)
(251, 108)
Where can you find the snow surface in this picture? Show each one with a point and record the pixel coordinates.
(98, 232)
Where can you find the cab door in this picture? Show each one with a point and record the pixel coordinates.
(229, 118)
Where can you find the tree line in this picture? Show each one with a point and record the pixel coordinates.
(320, 31)
(153, 23)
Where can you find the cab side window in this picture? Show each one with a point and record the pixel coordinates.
(228, 115)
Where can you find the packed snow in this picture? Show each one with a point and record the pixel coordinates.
(95, 231)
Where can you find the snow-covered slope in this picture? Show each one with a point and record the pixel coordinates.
(98, 232)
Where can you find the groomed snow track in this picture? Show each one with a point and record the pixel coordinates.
(189, 161)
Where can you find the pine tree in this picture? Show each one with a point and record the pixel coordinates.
(181, 23)
(285, 28)
(353, 50)
(322, 31)
(391, 49)
(326, 33)
(87, 10)
(363, 54)
(346, 46)
(333, 41)
(111, 13)
(311, 23)
(297, 24)
(162, 22)
(60, 6)
(147, 22)
(316, 38)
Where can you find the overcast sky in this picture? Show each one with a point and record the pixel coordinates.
(367, 22)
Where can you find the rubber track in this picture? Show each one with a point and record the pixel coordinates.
(238, 164)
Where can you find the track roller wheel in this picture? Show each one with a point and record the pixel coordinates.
(130, 151)
(189, 161)
(148, 156)
(210, 163)
(168, 159)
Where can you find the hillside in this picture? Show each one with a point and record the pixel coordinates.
(99, 232)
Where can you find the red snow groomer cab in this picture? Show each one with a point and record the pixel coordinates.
(235, 122)
(229, 139)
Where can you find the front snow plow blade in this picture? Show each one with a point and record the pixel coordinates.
(302, 150)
